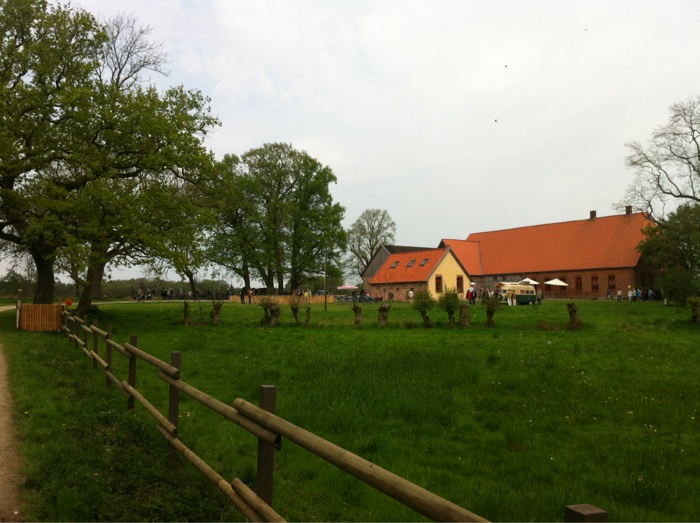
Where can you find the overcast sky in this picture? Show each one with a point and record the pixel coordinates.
(454, 116)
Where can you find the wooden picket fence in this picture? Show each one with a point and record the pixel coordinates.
(260, 421)
(38, 318)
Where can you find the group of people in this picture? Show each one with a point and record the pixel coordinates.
(633, 294)
(247, 293)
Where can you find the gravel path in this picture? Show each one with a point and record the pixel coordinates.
(10, 464)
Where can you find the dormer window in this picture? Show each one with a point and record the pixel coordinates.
(394, 265)
(424, 262)
(410, 264)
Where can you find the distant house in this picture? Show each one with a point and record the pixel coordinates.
(591, 255)
(429, 269)
(381, 255)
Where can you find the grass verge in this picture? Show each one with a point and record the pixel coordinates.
(512, 422)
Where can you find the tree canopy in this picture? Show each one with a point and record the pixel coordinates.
(370, 231)
(277, 220)
(667, 187)
(82, 139)
(667, 168)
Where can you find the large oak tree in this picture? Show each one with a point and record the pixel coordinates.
(277, 219)
(84, 141)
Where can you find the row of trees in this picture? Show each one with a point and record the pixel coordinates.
(98, 167)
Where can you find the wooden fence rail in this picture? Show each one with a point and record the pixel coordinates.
(261, 422)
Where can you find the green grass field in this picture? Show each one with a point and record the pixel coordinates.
(512, 422)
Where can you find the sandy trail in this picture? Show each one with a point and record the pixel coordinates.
(10, 463)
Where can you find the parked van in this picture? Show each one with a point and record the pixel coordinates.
(523, 293)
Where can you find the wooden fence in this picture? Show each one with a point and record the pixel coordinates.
(259, 421)
(38, 318)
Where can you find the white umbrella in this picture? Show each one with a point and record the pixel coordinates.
(557, 282)
(347, 288)
(529, 281)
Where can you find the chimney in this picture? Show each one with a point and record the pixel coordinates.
(593, 213)
(628, 210)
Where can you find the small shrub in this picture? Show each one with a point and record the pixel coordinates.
(423, 302)
(384, 309)
(271, 310)
(450, 303)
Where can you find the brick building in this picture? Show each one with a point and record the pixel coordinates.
(430, 269)
(591, 255)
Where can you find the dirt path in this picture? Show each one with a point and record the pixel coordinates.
(10, 463)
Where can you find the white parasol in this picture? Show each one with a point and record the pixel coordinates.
(556, 282)
(528, 281)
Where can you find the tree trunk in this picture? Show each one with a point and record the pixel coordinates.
(192, 283)
(384, 314)
(295, 311)
(694, 310)
(92, 287)
(45, 277)
(358, 314)
(574, 321)
(464, 316)
(489, 318)
(216, 313)
(275, 311)
(308, 314)
(187, 314)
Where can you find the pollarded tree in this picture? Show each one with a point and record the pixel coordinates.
(370, 231)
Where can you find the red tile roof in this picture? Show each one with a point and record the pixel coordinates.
(417, 272)
(596, 243)
(466, 252)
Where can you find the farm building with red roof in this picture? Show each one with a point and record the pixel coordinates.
(592, 256)
(433, 270)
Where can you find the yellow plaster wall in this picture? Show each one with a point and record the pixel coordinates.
(449, 269)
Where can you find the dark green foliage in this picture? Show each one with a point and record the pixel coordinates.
(677, 285)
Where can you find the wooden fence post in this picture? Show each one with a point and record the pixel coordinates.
(83, 332)
(266, 451)
(108, 356)
(74, 331)
(174, 411)
(131, 402)
(95, 344)
(584, 512)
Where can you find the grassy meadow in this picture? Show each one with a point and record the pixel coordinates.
(512, 422)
